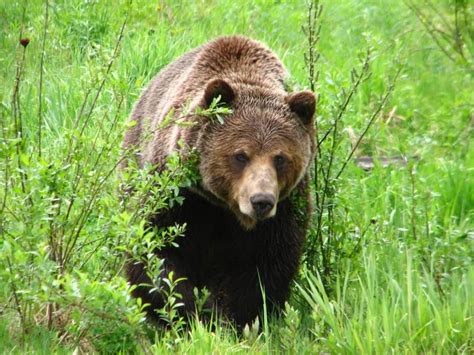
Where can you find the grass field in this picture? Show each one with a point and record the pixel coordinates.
(389, 263)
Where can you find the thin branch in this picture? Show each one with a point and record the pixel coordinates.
(359, 79)
(7, 170)
(16, 298)
(16, 105)
(371, 121)
(64, 254)
(40, 90)
(109, 66)
(429, 28)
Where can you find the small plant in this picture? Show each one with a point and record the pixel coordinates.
(451, 27)
(216, 110)
(288, 333)
(170, 312)
(327, 242)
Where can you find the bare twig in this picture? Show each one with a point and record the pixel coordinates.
(372, 119)
(41, 70)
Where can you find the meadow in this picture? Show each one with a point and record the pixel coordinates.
(388, 263)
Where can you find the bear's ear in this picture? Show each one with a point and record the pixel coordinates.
(218, 87)
(302, 103)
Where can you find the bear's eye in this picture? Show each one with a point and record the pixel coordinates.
(279, 161)
(241, 158)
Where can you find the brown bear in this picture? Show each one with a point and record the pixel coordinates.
(247, 218)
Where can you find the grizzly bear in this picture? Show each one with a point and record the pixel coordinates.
(247, 216)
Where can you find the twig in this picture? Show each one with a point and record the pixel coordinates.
(40, 90)
(359, 78)
(429, 28)
(16, 108)
(411, 173)
(109, 66)
(71, 242)
(371, 121)
(312, 31)
(16, 298)
(7, 172)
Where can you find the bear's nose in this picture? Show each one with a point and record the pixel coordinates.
(262, 204)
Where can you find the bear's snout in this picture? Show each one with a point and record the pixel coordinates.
(262, 204)
(258, 190)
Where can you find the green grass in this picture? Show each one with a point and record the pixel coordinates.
(403, 276)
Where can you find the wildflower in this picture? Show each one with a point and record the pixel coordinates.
(24, 42)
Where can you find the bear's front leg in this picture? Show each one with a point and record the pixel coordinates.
(242, 292)
(266, 273)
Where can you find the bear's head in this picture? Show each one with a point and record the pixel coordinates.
(262, 150)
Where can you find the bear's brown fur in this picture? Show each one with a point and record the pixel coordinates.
(243, 228)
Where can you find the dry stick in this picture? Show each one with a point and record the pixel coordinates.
(311, 57)
(16, 110)
(40, 91)
(371, 121)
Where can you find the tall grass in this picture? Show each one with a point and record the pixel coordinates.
(398, 308)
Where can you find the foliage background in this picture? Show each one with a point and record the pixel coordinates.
(399, 275)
